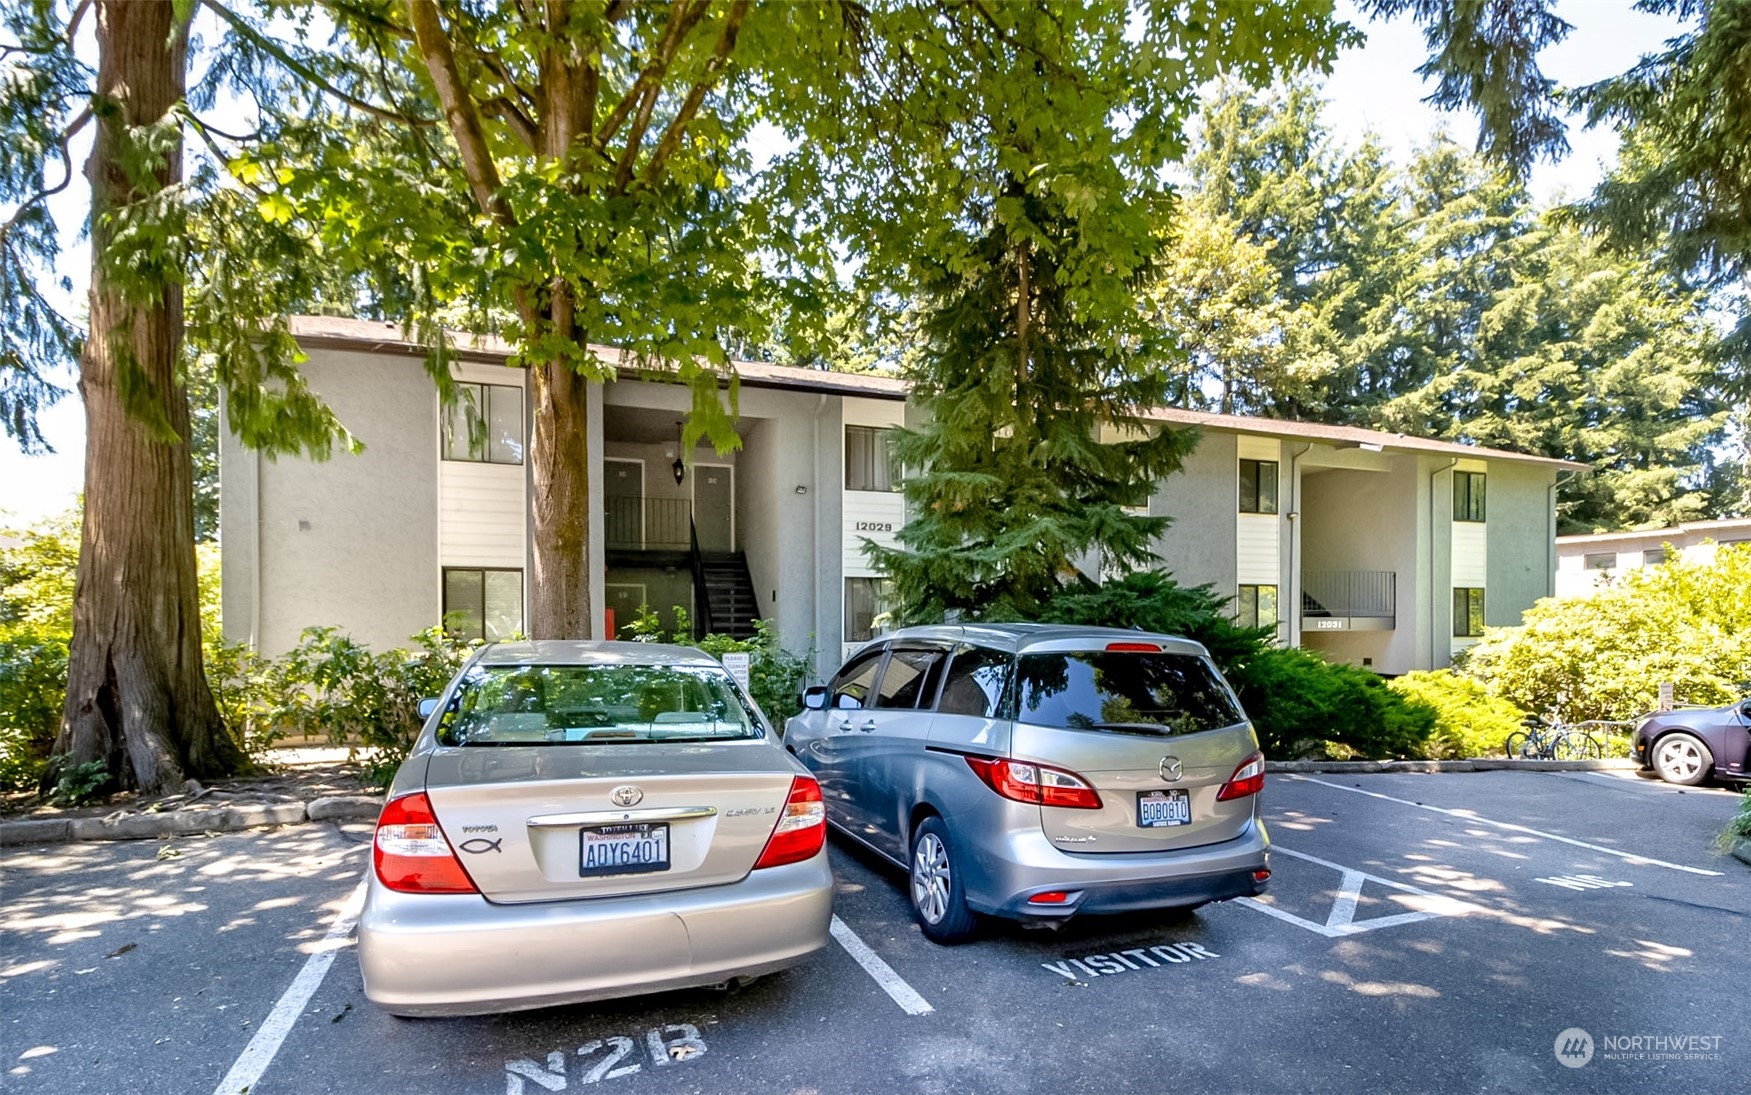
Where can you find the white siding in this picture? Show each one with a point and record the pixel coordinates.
(874, 515)
(874, 412)
(1258, 547)
(481, 519)
(1257, 448)
(1470, 555)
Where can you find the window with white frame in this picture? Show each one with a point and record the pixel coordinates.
(1468, 496)
(1256, 606)
(1467, 613)
(868, 601)
(1258, 486)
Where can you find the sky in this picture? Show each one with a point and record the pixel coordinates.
(1373, 89)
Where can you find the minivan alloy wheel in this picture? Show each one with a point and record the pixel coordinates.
(931, 879)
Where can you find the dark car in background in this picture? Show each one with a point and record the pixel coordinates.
(1690, 745)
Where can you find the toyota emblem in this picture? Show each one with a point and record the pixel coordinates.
(626, 795)
(1171, 769)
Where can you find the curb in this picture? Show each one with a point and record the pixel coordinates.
(225, 819)
(1477, 764)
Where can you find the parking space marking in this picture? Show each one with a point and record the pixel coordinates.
(1467, 815)
(883, 974)
(1582, 882)
(259, 1053)
(666, 1045)
(1341, 921)
(1094, 965)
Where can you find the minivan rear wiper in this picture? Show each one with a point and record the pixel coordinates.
(1131, 727)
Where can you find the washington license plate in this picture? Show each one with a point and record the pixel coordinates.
(1160, 809)
(636, 848)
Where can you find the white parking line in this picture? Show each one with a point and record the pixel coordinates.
(259, 1053)
(1467, 815)
(892, 983)
(1341, 921)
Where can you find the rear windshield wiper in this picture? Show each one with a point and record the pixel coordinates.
(1132, 727)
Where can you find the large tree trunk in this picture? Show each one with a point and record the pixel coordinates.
(559, 598)
(137, 698)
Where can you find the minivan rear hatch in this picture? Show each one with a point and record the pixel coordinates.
(1154, 729)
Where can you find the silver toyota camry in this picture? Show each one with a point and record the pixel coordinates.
(587, 820)
(1038, 772)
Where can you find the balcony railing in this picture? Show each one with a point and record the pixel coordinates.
(1345, 600)
(640, 523)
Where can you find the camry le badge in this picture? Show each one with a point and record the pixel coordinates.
(626, 795)
(1171, 770)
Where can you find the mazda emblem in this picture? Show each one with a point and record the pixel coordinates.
(626, 795)
(1171, 770)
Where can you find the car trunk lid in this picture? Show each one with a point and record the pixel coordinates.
(551, 822)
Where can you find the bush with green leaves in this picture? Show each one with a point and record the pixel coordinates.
(1304, 706)
(37, 566)
(1603, 656)
(1738, 830)
(775, 675)
(1299, 703)
(1470, 720)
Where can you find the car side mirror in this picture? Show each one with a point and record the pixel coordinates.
(815, 698)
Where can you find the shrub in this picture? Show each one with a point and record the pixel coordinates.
(1603, 656)
(775, 675)
(33, 687)
(1152, 601)
(1303, 705)
(1738, 830)
(1470, 720)
(36, 624)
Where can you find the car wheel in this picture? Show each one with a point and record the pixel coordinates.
(939, 898)
(1682, 759)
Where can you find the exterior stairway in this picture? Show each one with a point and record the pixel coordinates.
(728, 604)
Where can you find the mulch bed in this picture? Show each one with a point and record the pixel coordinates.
(292, 776)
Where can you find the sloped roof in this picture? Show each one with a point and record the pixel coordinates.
(376, 336)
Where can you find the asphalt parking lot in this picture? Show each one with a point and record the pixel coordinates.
(1422, 933)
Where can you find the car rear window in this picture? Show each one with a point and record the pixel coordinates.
(1125, 692)
(596, 705)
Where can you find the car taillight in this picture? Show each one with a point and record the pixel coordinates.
(1039, 784)
(1248, 779)
(802, 829)
(412, 854)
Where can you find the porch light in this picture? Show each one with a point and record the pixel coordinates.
(679, 468)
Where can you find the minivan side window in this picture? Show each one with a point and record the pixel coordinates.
(976, 683)
(857, 677)
(910, 677)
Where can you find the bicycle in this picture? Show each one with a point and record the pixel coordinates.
(1551, 740)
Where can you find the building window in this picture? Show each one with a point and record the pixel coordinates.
(868, 602)
(481, 603)
(1653, 557)
(1603, 560)
(485, 424)
(1257, 606)
(869, 465)
(1467, 613)
(1258, 486)
(1468, 496)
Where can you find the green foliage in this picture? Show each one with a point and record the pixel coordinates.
(80, 784)
(332, 687)
(36, 625)
(1603, 656)
(1738, 830)
(1315, 280)
(1470, 720)
(1300, 704)
(1303, 705)
(775, 675)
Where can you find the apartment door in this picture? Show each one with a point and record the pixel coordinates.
(714, 506)
(624, 600)
(624, 499)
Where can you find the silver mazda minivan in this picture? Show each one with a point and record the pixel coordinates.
(1037, 771)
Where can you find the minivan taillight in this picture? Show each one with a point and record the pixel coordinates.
(1248, 779)
(411, 852)
(801, 830)
(1038, 784)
